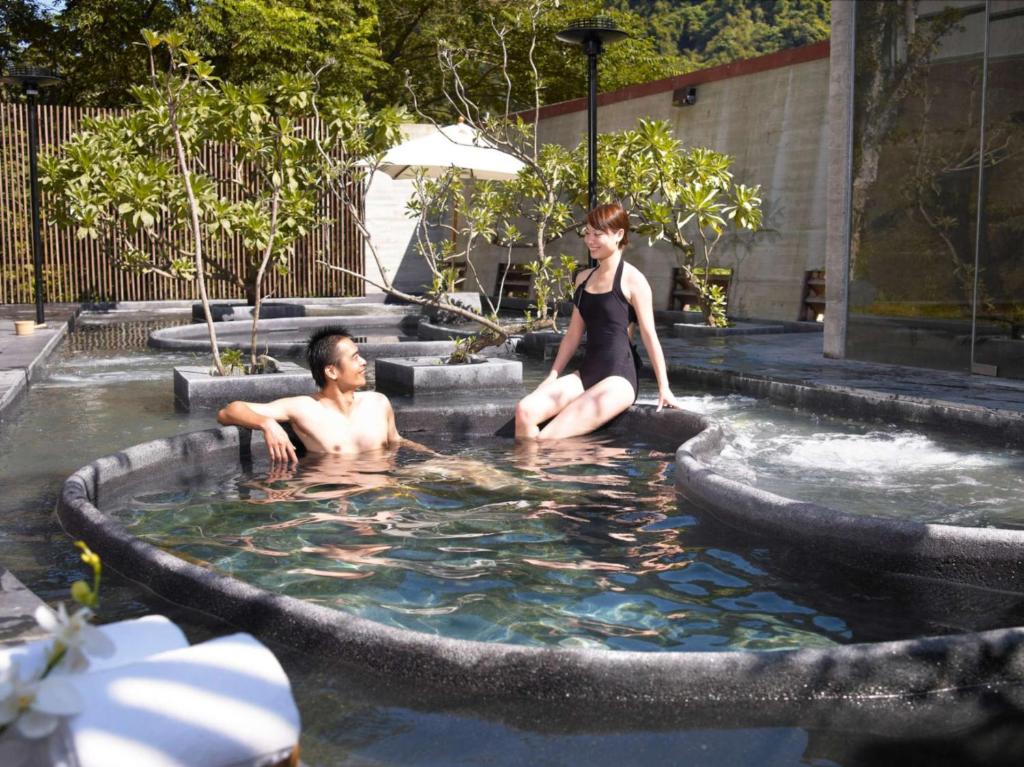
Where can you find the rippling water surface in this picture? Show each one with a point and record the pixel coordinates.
(581, 545)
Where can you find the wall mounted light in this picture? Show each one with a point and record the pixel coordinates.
(684, 97)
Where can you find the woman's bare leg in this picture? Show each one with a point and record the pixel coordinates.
(595, 407)
(544, 402)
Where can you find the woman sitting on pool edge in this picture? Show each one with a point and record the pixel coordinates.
(606, 383)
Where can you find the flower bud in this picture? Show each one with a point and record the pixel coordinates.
(81, 593)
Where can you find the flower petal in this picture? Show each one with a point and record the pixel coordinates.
(73, 662)
(96, 642)
(8, 710)
(34, 724)
(57, 696)
(47, 619)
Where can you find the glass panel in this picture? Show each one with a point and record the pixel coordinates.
(917, 109)
(999, 343)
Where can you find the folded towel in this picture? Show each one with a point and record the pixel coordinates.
(133, 640)
(222, 702)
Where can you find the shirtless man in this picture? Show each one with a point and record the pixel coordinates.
(338, 419)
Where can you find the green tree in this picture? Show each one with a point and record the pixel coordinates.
(708, 32)
(410, 34)
(140, 177)
(93, 43)
(686, 197)
(253, 40)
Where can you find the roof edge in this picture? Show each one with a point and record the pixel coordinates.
(785, 58)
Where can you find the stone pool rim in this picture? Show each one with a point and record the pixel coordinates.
(195, 338)
(902, 668)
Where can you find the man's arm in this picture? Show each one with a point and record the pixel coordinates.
(265, 417)
(395, 439)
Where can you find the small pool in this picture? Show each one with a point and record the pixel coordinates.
(867, 468)
(580, 545)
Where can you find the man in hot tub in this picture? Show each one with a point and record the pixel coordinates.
(338, 419)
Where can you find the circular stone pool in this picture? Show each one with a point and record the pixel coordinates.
(546, 578)
(391, 334)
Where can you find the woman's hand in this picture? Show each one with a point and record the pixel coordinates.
(667, 399)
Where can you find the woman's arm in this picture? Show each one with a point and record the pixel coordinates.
(570, 343)
(640, 298)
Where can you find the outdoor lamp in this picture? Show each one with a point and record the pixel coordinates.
(31, 79)
(593, 34)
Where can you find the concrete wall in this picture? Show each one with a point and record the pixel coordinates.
(773, 122)
(768, 113)
(392, 232)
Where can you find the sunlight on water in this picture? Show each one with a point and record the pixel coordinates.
(580, 545)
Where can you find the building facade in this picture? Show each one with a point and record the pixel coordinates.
(926, 197)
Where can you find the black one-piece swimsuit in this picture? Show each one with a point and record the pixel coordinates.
(607, 317)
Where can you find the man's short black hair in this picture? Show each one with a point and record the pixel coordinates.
(322, 350)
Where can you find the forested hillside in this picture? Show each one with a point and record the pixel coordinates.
(374, 49)
(707, 32)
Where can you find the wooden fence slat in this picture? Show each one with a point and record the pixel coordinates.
(78, 270)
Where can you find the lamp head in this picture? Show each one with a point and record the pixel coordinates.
(31, 79)
(599, 30)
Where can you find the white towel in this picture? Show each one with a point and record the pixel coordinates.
(133, 640)
(222, 702)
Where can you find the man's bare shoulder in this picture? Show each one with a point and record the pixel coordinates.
(373, 399)
(297, 405)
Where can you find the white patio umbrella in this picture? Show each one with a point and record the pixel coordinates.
(457, 146)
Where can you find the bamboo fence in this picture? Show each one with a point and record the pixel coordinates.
(83, 270)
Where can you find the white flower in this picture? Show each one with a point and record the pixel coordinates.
(35, 705)
(75, 634)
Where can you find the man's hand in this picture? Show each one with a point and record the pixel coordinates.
(278, 444)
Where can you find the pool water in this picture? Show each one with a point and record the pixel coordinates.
(582, 544)
(866, 468)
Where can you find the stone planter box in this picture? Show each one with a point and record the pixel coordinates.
(428, 374)
(196, 389)
(541, 344)
(687, 330)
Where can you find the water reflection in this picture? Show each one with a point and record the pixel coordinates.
(577, 544)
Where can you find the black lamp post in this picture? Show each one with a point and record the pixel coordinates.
(31, 79)
(593, 34)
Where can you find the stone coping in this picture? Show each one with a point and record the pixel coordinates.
(25, 356)
(984, 560)
(687, 330)
(195, 338)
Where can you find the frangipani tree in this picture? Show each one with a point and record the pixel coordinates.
(686, 197)
(531, 211)
(139, 182)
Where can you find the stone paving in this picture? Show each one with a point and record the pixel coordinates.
(797, 358)
(22, 356)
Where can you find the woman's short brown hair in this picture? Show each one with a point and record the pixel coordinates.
(609, 217)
